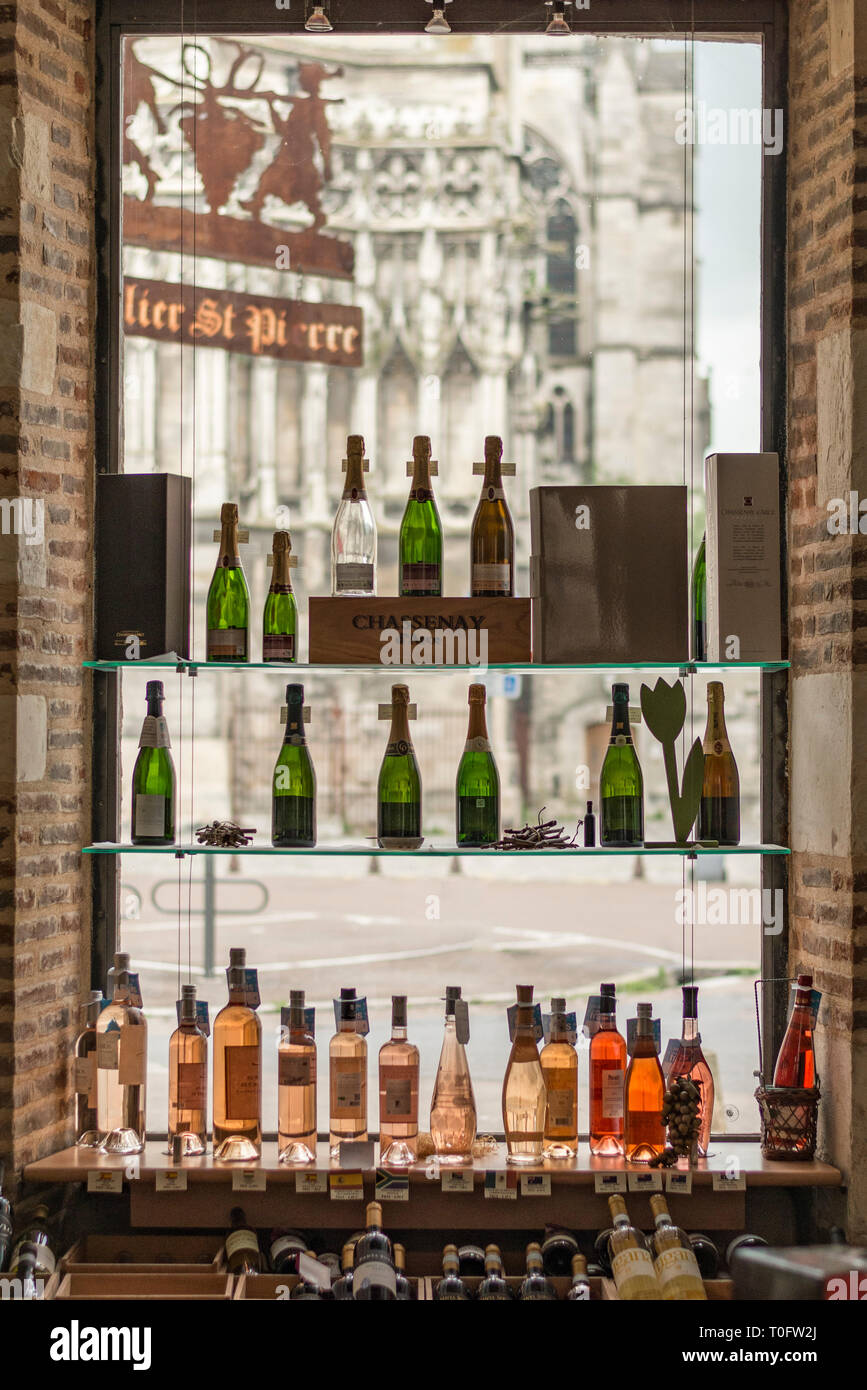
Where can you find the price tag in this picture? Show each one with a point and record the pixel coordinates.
(346, 1187)
(309, 1184)
(502, 1187)
(313, 1271)
(678, 1182)
(728, 1182)
(248, 1180)
(105, 1180)
(460, 1181)
(535, 1184)
(607, 1183)
(391, 1187)
(171, 1180)
(644, 1182)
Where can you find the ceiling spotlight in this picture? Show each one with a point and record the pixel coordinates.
(558, 24)
(438, 24)
(317, 21)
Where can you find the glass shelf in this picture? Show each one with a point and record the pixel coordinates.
(437, 851)
(531, 668)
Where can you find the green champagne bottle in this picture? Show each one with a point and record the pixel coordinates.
(719, 816)
(153, 777)
(699, 605)
(477, 791)
(280, 621)
(398, 822)
(420, 549)
(228, 597)
(621, 786)
(293, 794)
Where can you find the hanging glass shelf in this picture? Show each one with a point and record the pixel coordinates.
(439, 851)
(529, 669)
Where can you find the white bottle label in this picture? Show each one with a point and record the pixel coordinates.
(375, 1271)
(633, 1267)
(227, 644)
(85, 1076)
(347, 1092)
(477, 745)
(155, 732)
(241, 1240)
(150, 814)
(353, 577)
(612, 1094)
(497, 577)
(108, 1050)
(132, 1058)
(677, 1267)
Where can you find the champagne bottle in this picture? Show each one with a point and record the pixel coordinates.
(560, 1072)
(399, 788)
(296, 1087)
(5, 1221)
(477, 789)
(494, 1287)
(243, 1255)
(607, 1077)
(188, 1080)
(689, 1061)
(228, 597)
(451, 1288)
(374, 1279)
(579, 1291)
(353, 538)
(153, 777)
(536, 1286)
(420, 547)
(719, 816)
(87, 1135)
(699, 605)
(347, 1059)
(621, 786)
(398, 1092)
(453, 1105)
(121, 1067)
(631, 1264)
(280, 618)
(674, 1261)
(796, 1061)
(402, 1287)
(644, 1091)
(492, 538)
(293, 793)
(237, 1070)
(524, 1094)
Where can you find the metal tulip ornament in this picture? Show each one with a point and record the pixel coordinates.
(664, 712)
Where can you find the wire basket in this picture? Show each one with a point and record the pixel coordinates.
(789, 1114)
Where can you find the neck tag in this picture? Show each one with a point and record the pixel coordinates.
(309, 1018)
(512, 1016)
(462, 1021)
(293, 561)
(507, 469)
(365, 465)
(632, 1034)
(634, 713)
(362, 1025)
(284, 713)
(433, 468)
(242, 537)
(570, 1027)
(385, 711)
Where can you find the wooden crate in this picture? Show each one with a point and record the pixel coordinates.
(347, 631)
(144, 1254)
(124, 1284)
(270, 1286)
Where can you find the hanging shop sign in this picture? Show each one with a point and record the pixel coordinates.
(253, 324)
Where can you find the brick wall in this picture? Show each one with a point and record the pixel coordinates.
(46, 449)
(827, 457)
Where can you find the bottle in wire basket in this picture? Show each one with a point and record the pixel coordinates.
(228, 597)
(280, 618)
(121, 1067)
(631, 1263)
(347, 1062)
(296, 1087)
(643, 1093)
(342, 1288)
(621, 785)
(87, 1135)
(5, 1222)
(689, 1061)
(243, 1255)
(607, 1079)
(237, 1110)
(188, 1081)
(719, 816)
(453, 1105)
(579, 1290)
(398, 802)
(492, 537)
(796, 1062)
(398, 1092)
(477, 788)
(420, 545)
(451, 1288)
(674, 1262)
(560, 1073)
(153, 777)
(524, 1095)
(353, 538)
(698, 604)
(403, 1290)
(373, 1278)
(33, 1256)
(536, 1286)
(494, 1287)
(293, 793)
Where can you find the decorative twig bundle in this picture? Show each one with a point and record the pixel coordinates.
(543, 835)
(224, 834)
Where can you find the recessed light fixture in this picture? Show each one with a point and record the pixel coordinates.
(438, 24)
(317, 21)
(558, 24)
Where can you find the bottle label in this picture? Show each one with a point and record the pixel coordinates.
(561, 1108)
(278, 646)
(399, 748)
(494, 492)
(295, 1068)
(132, 1060)
(294, 738)
(352, 577)
(396, 1091)
(678, 1272)
(633, 1272)
(620, 740)
(347, 1083)
(283, 1245)
(150, 814)
(420, 578)
(478, 745)
(243, 1081)
(108, 1050)
(154, 732)
(192, 1086)
(227, 644)
(85, 1077)
(612, 1094)
(241, 1240)
(375, 1269)
(496, 577)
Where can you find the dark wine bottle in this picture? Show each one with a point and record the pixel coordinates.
(399, 788)
(153, 777)
(451, 1288)
(402, 1287)
(280, 619)
(719, 816)
(698, 605)
(243, 1255)
(494, 1287)
(420, 547)
(536, 1286)
(374, 1279)
(293, 796)
(621, 786)
(492, 537)
(477, 791)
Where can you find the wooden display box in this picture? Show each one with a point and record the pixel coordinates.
(351, 631)
(124, 1284)
(144, 1254)
(271, 1286)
